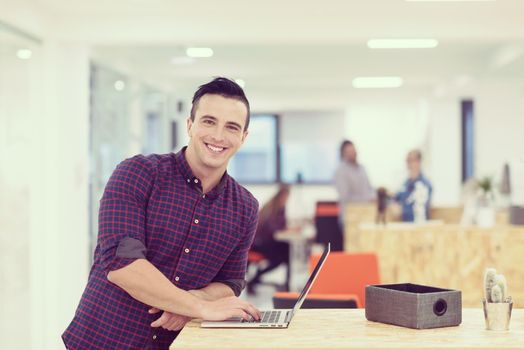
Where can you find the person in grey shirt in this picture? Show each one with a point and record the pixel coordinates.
(351, 179)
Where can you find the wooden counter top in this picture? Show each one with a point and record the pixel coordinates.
(442, 255)
(348, 329)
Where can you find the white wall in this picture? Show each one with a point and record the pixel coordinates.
(59, 249)
(17, 158)
(43, 181)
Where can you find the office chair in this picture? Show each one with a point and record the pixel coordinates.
(343, 278)
(327, 225)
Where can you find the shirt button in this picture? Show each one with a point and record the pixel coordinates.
(154, 336)
(196, 181)
(186, 250)
(196, 221)
(203, 196)
(177, 278)
(188, 180)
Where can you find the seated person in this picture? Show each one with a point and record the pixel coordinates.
(272, 218)
(415, 196)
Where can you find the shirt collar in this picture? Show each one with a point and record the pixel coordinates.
(191, 180)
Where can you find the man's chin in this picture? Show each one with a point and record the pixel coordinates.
(215, 163)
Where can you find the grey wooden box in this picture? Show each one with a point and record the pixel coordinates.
(413, 305)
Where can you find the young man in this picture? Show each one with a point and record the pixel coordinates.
(351, 179)
(415, 196)
(174, 232)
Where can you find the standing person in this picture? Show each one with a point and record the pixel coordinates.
(415, 196)
(351, 179)
(272, 218)
(174, 232)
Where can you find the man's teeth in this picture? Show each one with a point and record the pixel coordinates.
(215, 149)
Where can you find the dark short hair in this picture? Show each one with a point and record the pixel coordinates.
(343, 145)
(224, 87)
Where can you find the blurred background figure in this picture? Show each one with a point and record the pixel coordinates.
(382, 205)
(272, 218)
(351, 179)
(415, 196)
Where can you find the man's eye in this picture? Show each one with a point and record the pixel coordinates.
(208, 121)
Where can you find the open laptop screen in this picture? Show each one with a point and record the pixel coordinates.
(310, 281)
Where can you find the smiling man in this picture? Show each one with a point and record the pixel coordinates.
(174, 232)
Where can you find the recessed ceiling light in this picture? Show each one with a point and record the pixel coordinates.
(402, 43)
(198, 52)
(240, 82)
(24, 54)
(377, 82)
(119, 85)
(180, 60)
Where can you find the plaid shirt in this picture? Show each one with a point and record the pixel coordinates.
(153, 207)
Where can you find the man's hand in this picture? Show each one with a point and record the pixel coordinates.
(222, 309)
(169, 321)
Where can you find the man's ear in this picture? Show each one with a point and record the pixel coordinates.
(189, 124)
(244, 136)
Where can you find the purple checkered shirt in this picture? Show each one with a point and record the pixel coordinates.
(153, 207)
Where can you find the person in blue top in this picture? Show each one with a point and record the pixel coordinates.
(415, 197)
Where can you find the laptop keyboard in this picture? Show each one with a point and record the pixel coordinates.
(268, 317)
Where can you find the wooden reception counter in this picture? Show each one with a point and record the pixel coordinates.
(348, 329)
(441, 254)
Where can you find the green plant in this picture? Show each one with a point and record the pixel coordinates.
(495, 287)
(486, 184)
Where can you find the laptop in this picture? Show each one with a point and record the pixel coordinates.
(273, 318)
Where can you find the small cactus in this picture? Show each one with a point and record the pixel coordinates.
(496, 294)
(495, 286)
(500, 281)
(489, 282)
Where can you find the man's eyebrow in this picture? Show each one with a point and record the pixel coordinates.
(235, 124)
(230, 123)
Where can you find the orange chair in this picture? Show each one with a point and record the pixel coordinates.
(343, 274)
(257, 260)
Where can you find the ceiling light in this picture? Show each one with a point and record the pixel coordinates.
(240, 82)
(119, 85)
(402, 43)
(180, 60)
(197, 52)
(377, 82)
(24, 54)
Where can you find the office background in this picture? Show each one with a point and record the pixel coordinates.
(84, 85)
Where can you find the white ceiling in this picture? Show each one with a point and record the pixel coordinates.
(299, 46)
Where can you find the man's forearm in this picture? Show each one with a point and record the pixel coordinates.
(144, 282)
(214, 291)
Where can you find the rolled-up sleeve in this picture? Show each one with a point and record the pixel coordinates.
(233, 272)
(121, 235)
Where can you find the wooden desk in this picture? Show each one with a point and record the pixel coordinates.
(348, 329)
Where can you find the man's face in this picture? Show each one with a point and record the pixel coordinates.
(349, 154)
(217, 132)
(413, 163)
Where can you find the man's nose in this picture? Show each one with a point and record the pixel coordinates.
(218, 134)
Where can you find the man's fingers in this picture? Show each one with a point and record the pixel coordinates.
(170, 324)
(251, 310)
(161, 320)
(153, 310)
(176, 323)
